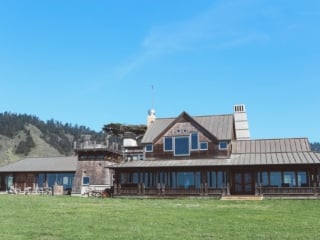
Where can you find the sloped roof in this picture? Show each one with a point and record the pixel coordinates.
(246, 153)
(250, 159)
(220, 126)
(282, 145)
(46, 164)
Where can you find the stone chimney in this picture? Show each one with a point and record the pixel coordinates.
(241, 122)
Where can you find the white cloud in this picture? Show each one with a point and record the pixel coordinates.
(219, 26)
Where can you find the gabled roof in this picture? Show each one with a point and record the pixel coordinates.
(46, 164)
(219, 126)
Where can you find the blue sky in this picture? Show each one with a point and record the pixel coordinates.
(95, 62)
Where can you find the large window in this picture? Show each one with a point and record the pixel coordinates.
(283, 178)
(215, 179)
(188, 179)
(289, 179)
(181, 146)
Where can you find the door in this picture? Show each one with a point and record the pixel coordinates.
(243, 183)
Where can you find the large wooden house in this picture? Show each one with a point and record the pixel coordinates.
(214, 156)
(181, 156)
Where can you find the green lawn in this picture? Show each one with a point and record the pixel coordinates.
(47, 217)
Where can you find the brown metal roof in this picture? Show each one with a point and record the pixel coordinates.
(284, 145)
(250, 159)
(49, 164)
(220, 126)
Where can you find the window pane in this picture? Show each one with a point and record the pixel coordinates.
(302, 179)
(194, 141)
(204, 146)
(220, 180)
(168, 144)
(85, 181)
(223, 145)
(264, 179)
(275, 179)
(289, 179)
(149, 148)
(181, 146)
(186, 179)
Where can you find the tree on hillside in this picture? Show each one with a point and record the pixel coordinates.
(120, 129)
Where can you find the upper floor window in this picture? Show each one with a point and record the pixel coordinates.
(181, 146)
(203, 145)
(149, 147)
(223, 145)
(167, 144)
(194, 141)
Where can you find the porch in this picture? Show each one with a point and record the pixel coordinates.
(205, 191)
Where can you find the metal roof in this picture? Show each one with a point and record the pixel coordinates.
(46, 164)
(220, 126)
(250, 159)
(283, 145)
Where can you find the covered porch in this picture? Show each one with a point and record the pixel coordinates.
(237, 175)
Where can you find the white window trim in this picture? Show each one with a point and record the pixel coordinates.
(174, 147)
(190, 142)
(85, 184)
(164, 145)
(149, 144)
(220, 148)
(204, 149)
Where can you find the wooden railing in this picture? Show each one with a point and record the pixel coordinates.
(287, 191)
(161, 190)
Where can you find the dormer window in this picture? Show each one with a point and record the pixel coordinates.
(223, 145)
(149, 148)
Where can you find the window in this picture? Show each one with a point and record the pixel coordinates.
(181, 146)
(194, 141)
(203, 145)
(168, 144)
(223, 145)
(149, 148)
(85, 181)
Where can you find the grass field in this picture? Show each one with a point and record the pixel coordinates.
(47, 217)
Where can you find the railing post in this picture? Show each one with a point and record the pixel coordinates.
(163, 189)
(159, 189)
(315, 189)
(139, 189)
(143, 189)
(228, 189)
(119, 188)
(206, 189)
(256, 190)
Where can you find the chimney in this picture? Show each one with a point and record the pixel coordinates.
(241, 122)
(151, 117)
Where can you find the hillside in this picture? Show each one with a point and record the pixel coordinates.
(23, 135)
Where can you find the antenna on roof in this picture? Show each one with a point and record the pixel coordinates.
(151, 112)
(152, 93)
